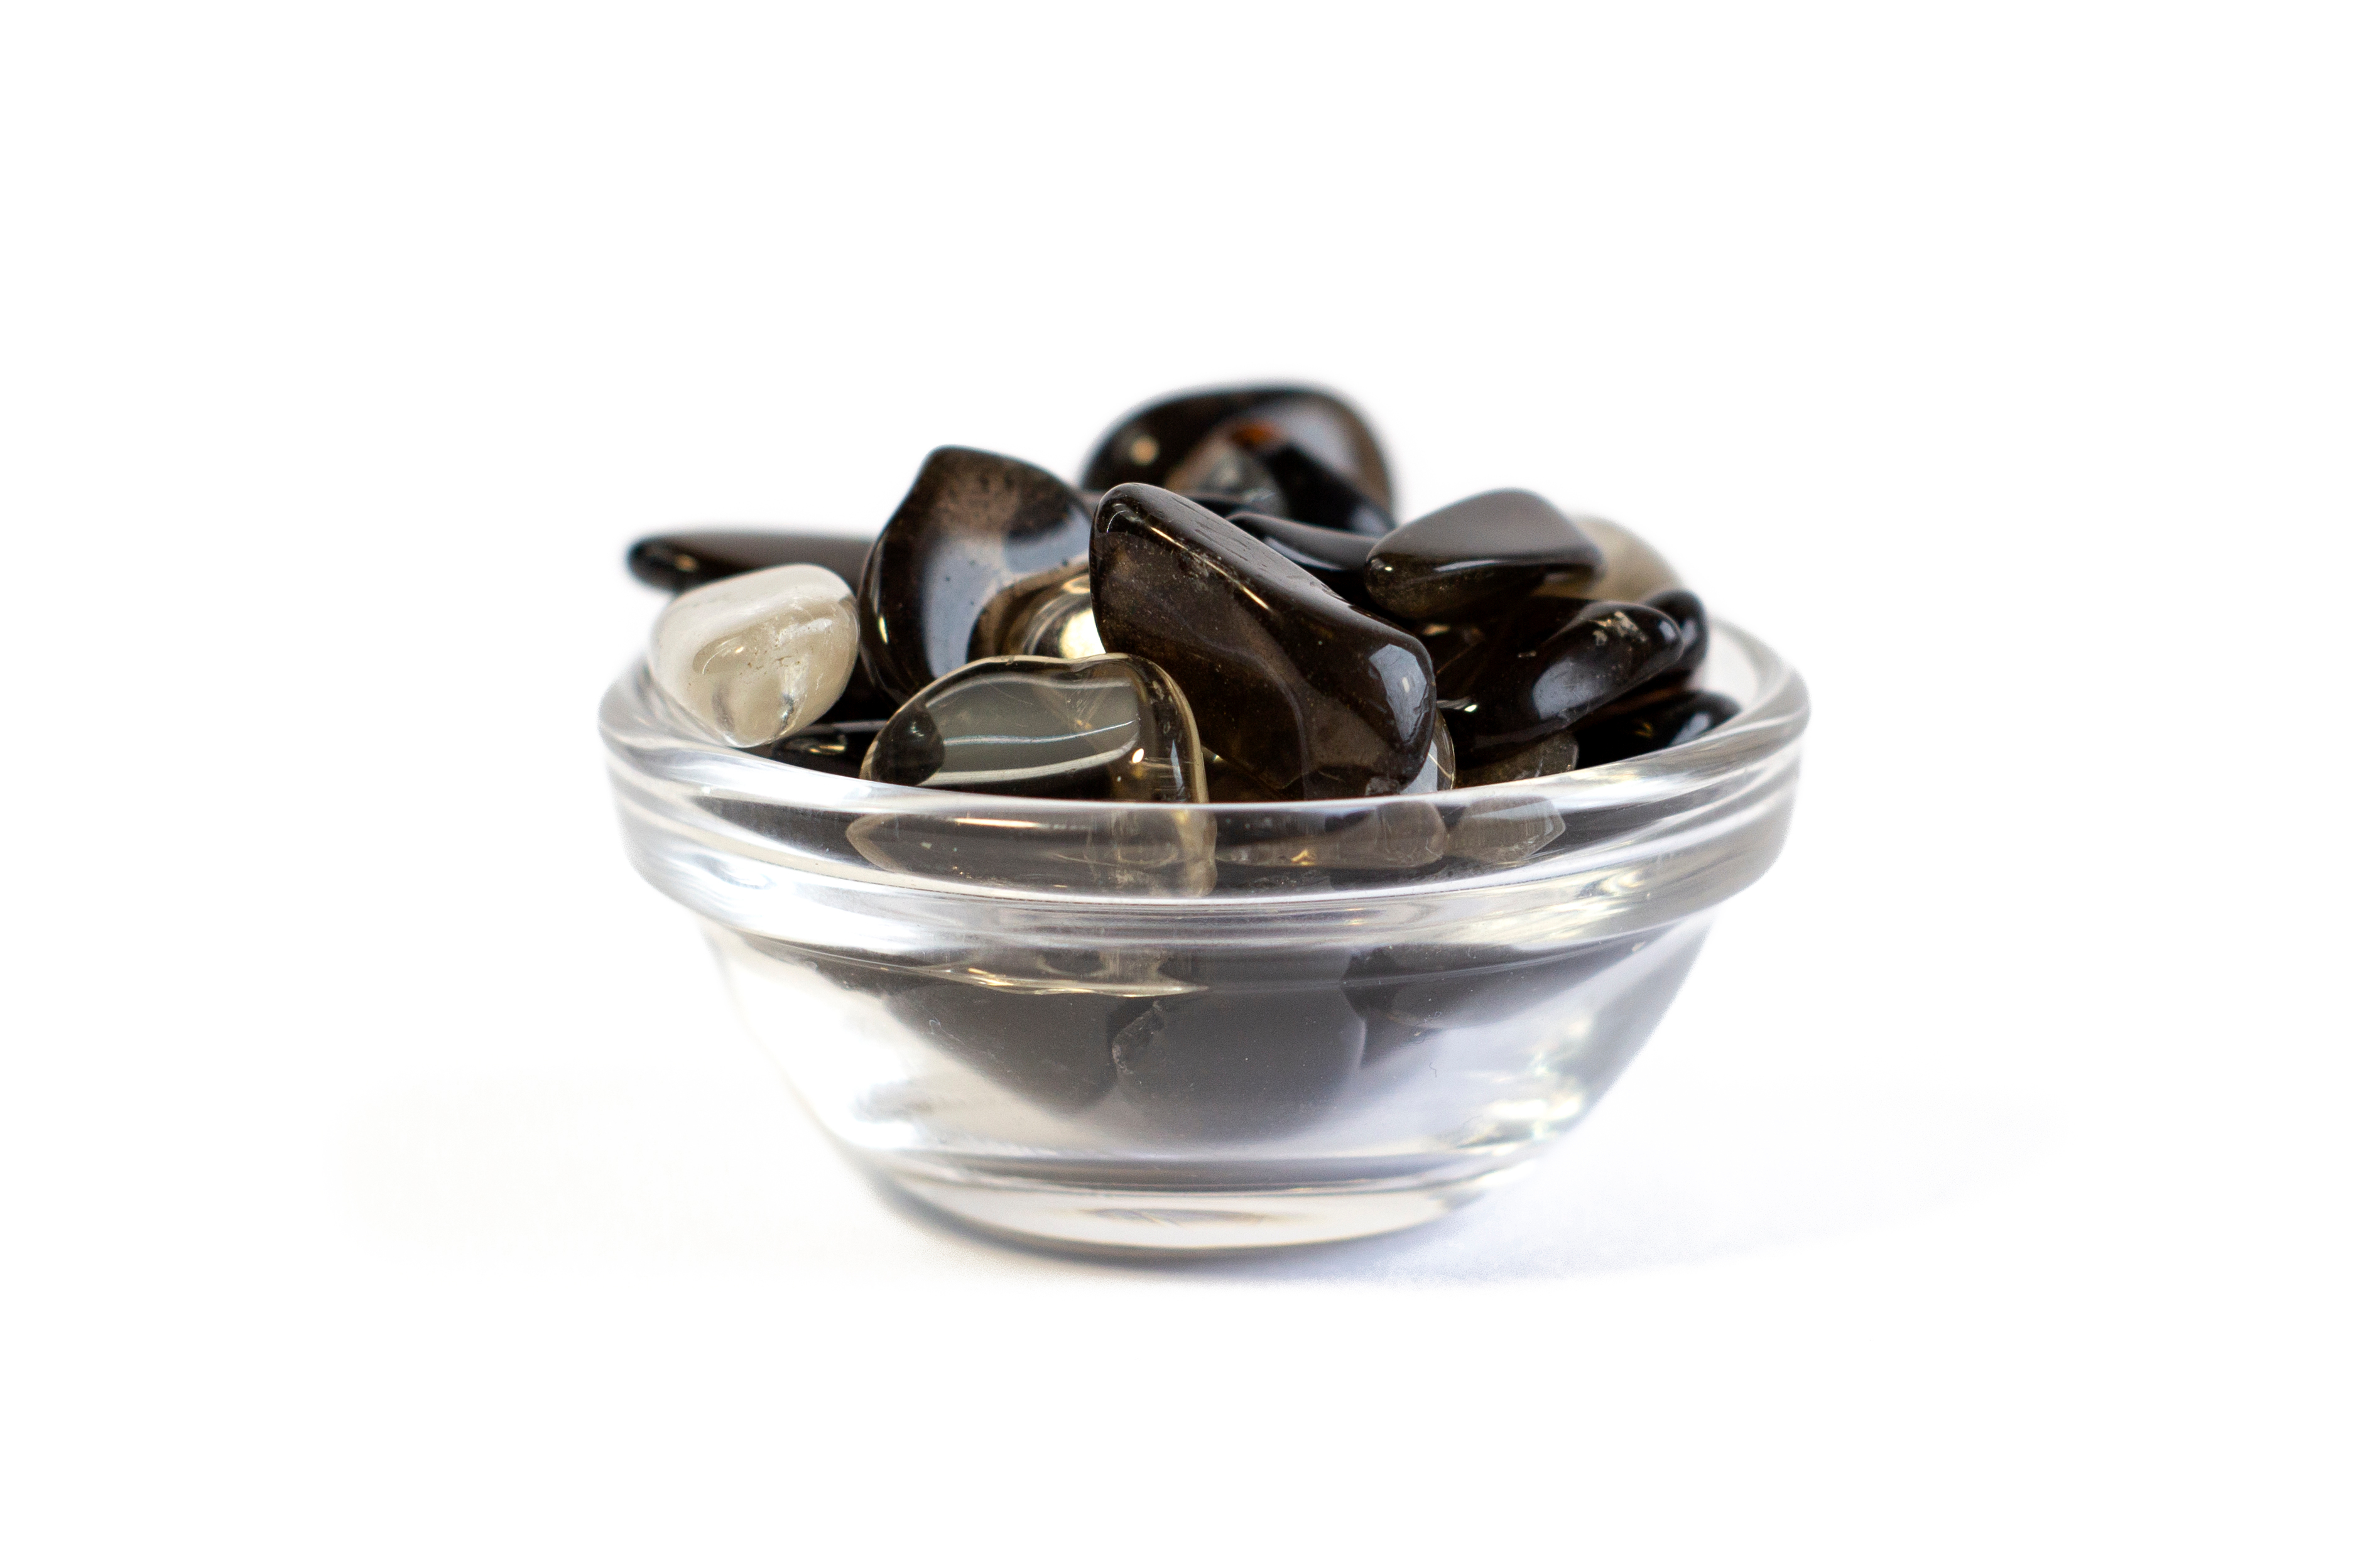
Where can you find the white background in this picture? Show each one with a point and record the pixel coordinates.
(384, 1178)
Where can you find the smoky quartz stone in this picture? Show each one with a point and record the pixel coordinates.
(677, 562)
(1475, 553)
(1553, 754)
(828, 747)
(973, 525)
(1692, 616)
(1546, 665)
(1305, 696)
(1149, 444)
(1651, 722)
(1113, 727)
(1332, 557)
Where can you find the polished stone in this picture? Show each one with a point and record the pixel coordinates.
(1476, 552)
(1553, 754)
(1147, 848)
(1061, 625)
(1393, 833)
(1332, 557)
(677, 562)
(973, 524)
(1099, 729)
(1148, 444)
(1311, 491)
(1632, 571)
(1652, 723)
(1003, 620)
(1438, 772)
(1692, 616)
(1305, 695)
(829, 746)
(1544, 666)
(756, 656)
(1230, 1061)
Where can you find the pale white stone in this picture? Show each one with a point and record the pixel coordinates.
(757, 657)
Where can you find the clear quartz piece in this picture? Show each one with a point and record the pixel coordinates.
(757, 657)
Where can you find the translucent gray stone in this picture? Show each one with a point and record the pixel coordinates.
(1113, 727)
(757, 657)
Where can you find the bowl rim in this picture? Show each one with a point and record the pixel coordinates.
(645, 731)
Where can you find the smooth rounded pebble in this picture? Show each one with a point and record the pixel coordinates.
(757, 657)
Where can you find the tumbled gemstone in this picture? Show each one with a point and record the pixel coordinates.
(1630, 571)
(1464, 557)
(1307, 697)
(973, 524)
(1239, 1055)
(1148, 443)
(1225, 504)
(1095, 729)
(1267, 850)
(1061, 625)
(1333, 558)
(1545, 664)
(677, 562)
(1145, 848)
(997, 630)
(1692, 616)
(1051, 615)
(1218, 466)
(827, 746)
(1438, 770)
(1553, 754)
(757, 657)
(1651, 723)
(1310, 489)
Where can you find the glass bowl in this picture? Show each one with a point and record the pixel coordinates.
(1180, 1028)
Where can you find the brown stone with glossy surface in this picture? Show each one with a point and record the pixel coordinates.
(1545, 664)
(1692, 616)
(1334, 558)
(1305, 696)
(1651, 723)
(973, 524)
(678, 562)
(1476, 552)
(1147, 444)
(1553, 754)
(1310, 489)
(832, 747)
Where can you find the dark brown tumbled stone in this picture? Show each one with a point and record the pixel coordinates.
(1554, 754)
(830, 747)
(973, 524)
(677, 562)
(1332, 557)
(1310, 489)
(1692, 616)
(1651, 723)
(1545, 664)
(1479, 552)
(1305, 696)
(1147, 444)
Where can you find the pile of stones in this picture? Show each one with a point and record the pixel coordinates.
(1223, 608)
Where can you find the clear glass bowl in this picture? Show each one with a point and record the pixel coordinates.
(1174, 1027)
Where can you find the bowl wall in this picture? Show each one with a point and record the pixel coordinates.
(1184, 1027)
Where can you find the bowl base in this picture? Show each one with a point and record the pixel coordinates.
(1129, 1221)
